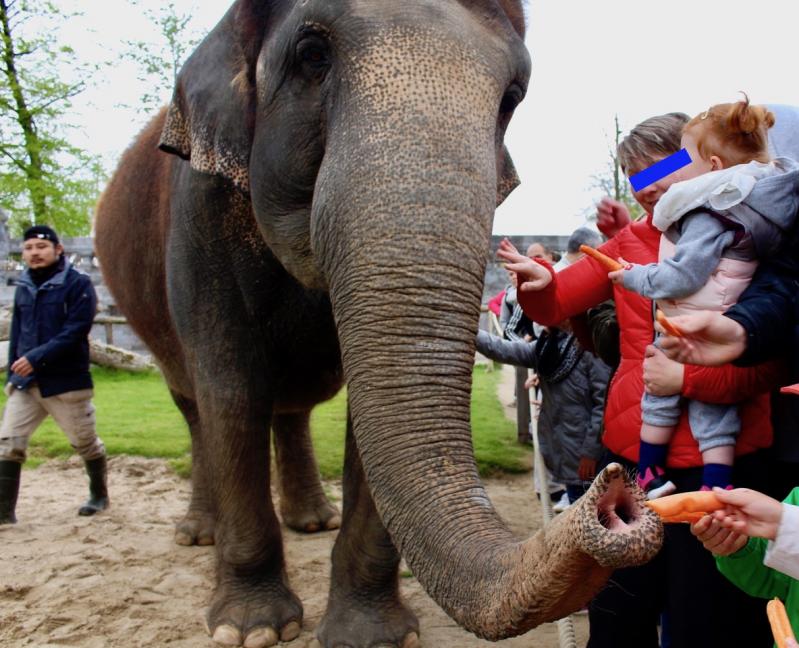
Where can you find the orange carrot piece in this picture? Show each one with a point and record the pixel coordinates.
(685, 507)
(668, 326)
(684, 517)
(780, 624)
(604, 259)
(790, 389)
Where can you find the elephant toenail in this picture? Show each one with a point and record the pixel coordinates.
(227, 636)
(290, 631)
(333, 523)
(411, 641)
(183, 539)
(261, 638)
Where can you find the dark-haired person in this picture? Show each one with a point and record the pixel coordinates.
(54, 306)
(580, 236)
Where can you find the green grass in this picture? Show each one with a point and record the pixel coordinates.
(493, 436)
(136, 416)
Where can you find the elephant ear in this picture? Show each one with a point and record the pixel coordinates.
(211, 117)
(507, 178)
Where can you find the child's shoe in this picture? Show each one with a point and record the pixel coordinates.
(654, 483)
(562, 504)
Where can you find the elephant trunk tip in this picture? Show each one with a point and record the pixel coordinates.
(616, 527)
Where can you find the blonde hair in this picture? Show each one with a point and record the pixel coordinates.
(736, 133)
(651, 140)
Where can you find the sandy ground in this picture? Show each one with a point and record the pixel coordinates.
(119, 580)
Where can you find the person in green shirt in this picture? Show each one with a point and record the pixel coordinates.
(755, 540)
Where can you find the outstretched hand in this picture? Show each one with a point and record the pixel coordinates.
(532, 275)
(611, 216)
(708, 338)
(716, 538)
(749, 512)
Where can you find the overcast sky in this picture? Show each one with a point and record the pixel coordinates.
(591, 60)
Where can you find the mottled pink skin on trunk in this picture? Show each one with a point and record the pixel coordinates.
(562, 567)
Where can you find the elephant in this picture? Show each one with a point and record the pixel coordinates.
(314, 209)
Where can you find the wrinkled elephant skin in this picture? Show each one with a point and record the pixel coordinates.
(320, 213)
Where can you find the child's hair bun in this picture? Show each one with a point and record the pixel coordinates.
(745, 118)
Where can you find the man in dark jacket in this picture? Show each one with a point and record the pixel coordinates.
(48, 359)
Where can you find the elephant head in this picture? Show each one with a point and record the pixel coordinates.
(369, 137)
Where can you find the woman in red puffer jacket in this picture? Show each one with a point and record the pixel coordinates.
(681, 580)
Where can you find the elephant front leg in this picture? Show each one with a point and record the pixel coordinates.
(253, 604)
(364, 606)
(197, 526)
(303, 504)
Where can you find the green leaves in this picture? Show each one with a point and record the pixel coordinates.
(159, 59)
(43, 177)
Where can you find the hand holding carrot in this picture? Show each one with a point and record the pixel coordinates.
(708, 338)
(716, 538)
(666, 325)
(749, 512)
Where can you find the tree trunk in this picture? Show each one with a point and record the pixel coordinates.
(33, 146)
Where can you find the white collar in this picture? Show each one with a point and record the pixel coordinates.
(722, 189)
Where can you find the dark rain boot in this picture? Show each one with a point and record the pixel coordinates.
(9, 489)
(98, 493)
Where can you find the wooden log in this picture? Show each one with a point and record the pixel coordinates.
(101, 354)
(107, 355)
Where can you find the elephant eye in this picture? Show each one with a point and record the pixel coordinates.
(512, 98)
(313, 53)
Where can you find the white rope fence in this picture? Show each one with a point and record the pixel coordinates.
(566, 635)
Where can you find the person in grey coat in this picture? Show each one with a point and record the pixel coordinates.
(573, 385)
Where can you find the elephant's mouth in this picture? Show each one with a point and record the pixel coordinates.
(618, 510)
(614, 524)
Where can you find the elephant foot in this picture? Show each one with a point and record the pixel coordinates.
(310, 517)
(197, 528)
(254, 616)
(372, 625)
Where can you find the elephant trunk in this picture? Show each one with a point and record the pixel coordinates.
(400, 228)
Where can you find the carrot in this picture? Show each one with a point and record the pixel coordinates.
(790, 389)
(780, 625)
(604, 259)
(685, 507)
(669, 327)
(690, 518)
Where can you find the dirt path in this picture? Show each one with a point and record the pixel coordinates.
(119, 580)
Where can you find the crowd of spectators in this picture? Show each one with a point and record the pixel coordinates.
(723, 565)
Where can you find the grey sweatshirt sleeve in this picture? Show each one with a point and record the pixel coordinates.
(702, 242)
(598, 377)
(504, 351)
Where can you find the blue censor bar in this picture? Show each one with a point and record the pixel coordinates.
(660, 170)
